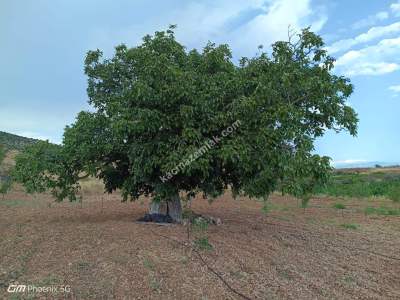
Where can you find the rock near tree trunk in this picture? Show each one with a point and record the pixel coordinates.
(170, 207)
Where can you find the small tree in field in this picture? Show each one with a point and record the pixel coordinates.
(161, 115)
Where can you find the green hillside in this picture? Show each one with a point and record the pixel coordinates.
(14, 142)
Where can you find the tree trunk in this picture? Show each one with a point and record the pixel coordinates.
(171, 207)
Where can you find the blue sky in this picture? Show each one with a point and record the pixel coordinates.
(43, 44)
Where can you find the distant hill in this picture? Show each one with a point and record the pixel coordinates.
(15, 142)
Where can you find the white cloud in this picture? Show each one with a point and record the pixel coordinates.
(395, 89)
(242, 24)
(198, 22)
(372, 34)
(378, 59)
(371, 20)
(395, 8)
(383, 15)
(273, 24)
(375, 69)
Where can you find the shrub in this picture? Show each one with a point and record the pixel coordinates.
(5, 187)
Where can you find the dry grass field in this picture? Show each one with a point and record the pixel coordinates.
(101, 252)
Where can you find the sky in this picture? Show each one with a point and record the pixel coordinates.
(43, 44)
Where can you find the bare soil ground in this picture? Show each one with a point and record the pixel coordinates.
(102, 253)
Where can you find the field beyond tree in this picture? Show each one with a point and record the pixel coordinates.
(362, 183)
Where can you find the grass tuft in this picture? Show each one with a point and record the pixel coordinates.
(349, 226)
(203, 244)
(339, 206)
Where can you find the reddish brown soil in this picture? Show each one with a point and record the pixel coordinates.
(286, 254)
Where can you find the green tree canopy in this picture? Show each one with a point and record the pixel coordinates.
(157, 104)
